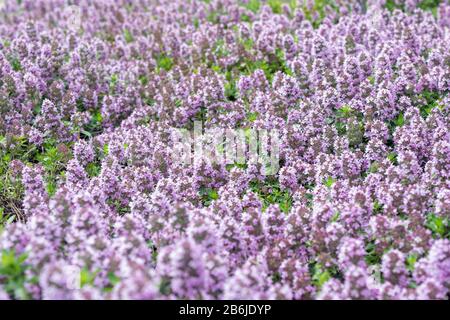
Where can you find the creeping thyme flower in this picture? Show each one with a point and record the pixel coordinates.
(93, 187)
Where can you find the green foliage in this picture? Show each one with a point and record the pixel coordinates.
(143, 80)
(340, 127)
(220, 50)
(5, 219)
(320, 275)
(113, 82)
(245, 18)
(344, 112)
(164, 62)
(113, 281)
(12, 274)
(293, 4)
(319, 8)
(392, 157)
(196, 23)
(336, 217)
(247, 43)
(391, 5)
(105, 150)
(6, 43)
(216, 68)
(154, 250)
(374, 166)
(430, 5)
(54, 159)
(276, 62)
(270, 192)
(87, 278)
(15, 147)
(119, 207)
(208, 195)
(329, 182)
(236, 165)
(94, 127)
(253, 5)
(52, 156)
(15, 64)
(165, 286)
(411, 262)
(355, 133)
(341, 116)
(252, 116)
(11, 189)
(275, 5)
(372, 256)
(400, 121)
(128, 36)
(231, 92)
(93, 169)
(213, 17)
(438, 225)
(432, 101)
(377, 207)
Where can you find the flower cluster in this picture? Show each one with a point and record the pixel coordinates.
(89, 98)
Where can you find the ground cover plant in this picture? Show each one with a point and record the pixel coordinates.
(90, 91)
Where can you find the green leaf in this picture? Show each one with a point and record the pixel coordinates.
(411, 261)
(87, 277)
(400, 121)
(212, 194)
(345, 111)
(208, 195)
(113, 279)
(335, 217)
(164, 62)
(372, 256)
(374, 166)
(392, 157)
(438, 225)
(320, 276)
(86, 133)
(15, 64)
(216, 68)
(51, 187)
(429, 4)
(275, 5)
(196, 23)
(377, 207)
(93, 169)
(252, 116)
(253, 5)
(13, 274)
(231, 91)
(105, 149)
(270, 193)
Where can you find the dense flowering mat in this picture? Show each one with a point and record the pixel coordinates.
(93, 205)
